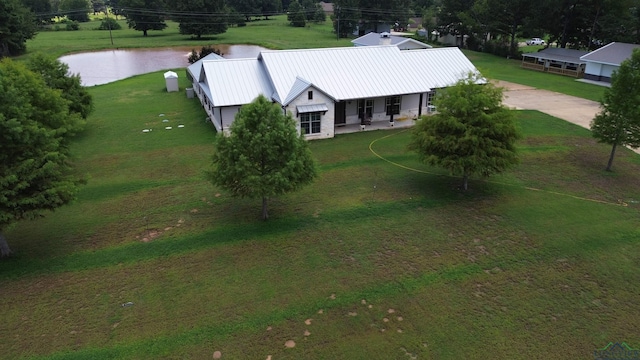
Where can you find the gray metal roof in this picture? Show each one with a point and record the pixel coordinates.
(558, 54)
(611, 54)
(194, 69)
(438, 68)
(365, 72)
(312, 108)
(236, 81)
(372, 39)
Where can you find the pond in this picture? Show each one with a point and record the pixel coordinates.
(102, 67)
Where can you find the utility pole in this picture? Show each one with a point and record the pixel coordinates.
(109, 24)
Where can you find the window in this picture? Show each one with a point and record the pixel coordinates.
(431, 95)
(310, 95)
(365, 108)
(393, 105)
(310, 123)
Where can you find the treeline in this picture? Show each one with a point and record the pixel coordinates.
(579, 24)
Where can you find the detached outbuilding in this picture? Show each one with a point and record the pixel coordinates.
(171, 79)
(601, 63)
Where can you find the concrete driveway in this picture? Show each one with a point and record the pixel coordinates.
(570, 108)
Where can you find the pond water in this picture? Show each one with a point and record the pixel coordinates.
(102, 67)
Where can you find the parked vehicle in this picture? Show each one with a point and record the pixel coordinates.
(535, 41)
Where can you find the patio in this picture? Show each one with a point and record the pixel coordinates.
(375, 125)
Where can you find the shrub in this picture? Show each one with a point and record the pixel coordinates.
(109, 24)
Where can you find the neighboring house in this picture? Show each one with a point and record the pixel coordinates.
(403, 43)
(327, 7)
(450, 39)
(601, 63)
(331, 88)
(556, 60)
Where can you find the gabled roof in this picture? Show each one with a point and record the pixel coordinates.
(611, 54)
(443, 66)
(194, 69)
(373, 39)
(364, 72)
(300, 86)
(339, 73)
(558, 54)
(235, 81)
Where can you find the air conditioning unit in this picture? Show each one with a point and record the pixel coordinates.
(431, 108)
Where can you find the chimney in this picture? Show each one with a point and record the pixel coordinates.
(385, 38)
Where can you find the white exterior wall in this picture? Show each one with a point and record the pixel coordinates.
(327, 120)
(607, 70)
(593, 68)
(408, 107)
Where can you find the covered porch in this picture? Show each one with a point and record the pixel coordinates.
(556, 60)
(375, 125)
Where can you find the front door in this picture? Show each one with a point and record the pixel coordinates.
(340, 113)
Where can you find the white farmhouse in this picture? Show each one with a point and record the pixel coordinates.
(332, 90)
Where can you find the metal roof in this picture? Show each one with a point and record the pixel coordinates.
(366, 71)
(372, 39)
(194, 69)
(236, 81)
(438, 68)
(558, 54)
(312, 108)
(611, 54)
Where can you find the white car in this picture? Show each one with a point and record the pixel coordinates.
(535, 41)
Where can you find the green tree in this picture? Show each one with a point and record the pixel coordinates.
(57, 76)
(346, 16)
(76, 10)
(35, 128)
(247, 8)
(143, 15)
(270, 8)
(472, 133)
(296, 16)
(41, 8)
(618, 124)
(17, 25)
(200, 17)
(263, 156)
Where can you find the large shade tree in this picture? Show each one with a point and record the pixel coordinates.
(472, 133)
(618, 124)
(35, 128)
(17, 25)
(56, 75)
(76, 10)
(200, 17)
(263, 156)
(143, 15)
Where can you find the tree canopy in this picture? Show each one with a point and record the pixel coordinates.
(472, 133)
(35, 127)
(17, 25)
(263, 156)
(200, 17)
(76, 10)
(57, 76)
(296, 16)
(144, 15)
(618, 124)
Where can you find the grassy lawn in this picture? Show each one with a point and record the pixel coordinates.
(498, 68)
(372, 261)
(274, 33)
